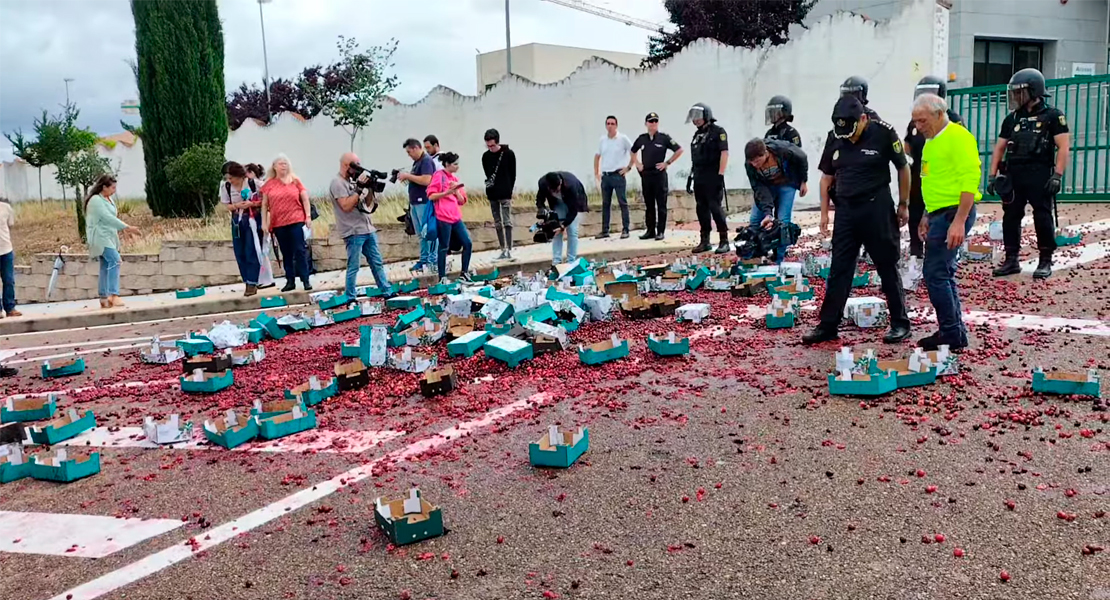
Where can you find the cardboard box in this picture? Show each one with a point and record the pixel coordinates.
(600, 308)
(170, 431)
(945, 362)
(619, 289)
(413, 362)
(814, 265)
(273, 302)
(371, 309)
(349, 350)
(537, 329)
(407, 320)
(603, 352)
(554, 294)
(847, 383)
(542, 313)
(269, 325)
(28, 409)
(694, 313)
(402, 302)
(407, 287)
(409, 520)
(352, 375)
(241, 358)
(13, 433)
(321, 319)
(715, 284)
(798, 289)
(979, 251)
(13, 463)
(295, 421)
(254, 334)
(497, 311)
(460, 305)
(199, 382)
(1068, 238)
(437, 382)
(63, 466)
(460, 326)
(1068, 383)
(698, 278)
(294, 323)
(655, 270)
(159, 353)
(440, 289)
(510, 350)
(863, 279)
(369, 291)
(559, 448)
(912, 371)
(541, 344)
(636, 307)
(231, 430)
(313, 391)
(747, 289)
(781, 314)
(190, 293)
(663, 306)
(335, 301)
(577, 267)
(373, 343)
(208, 363)
(265, 410)
(486, 275)
(65, 367)
(525, 301)
(668, 284)
(69, 425)
(424, 333)
(467, 344)
(670, 345)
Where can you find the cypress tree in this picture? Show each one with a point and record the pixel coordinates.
(179, 46)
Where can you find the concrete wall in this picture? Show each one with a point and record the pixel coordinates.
(186, 264)
(1072, 32)
(19, 181)
(557, 126)
(545, 63)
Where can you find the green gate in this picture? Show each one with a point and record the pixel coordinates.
(1084, 101)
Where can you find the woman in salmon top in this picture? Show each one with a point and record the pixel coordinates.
(448, 194)
(285, 211)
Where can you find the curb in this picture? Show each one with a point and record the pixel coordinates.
(224, 304)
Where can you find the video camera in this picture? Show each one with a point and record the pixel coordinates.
(375, 180)
(756, 242)
(545, 230)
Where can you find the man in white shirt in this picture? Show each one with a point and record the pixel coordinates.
(611, 163)
(7, 259)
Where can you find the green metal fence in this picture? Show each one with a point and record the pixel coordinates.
(1084, 101)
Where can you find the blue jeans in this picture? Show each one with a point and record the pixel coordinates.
(367, 245)
(445, 231)
(7, 276)
(294, 252)
(613, 182)
(109, 273)
(939, 269)
(418, 213)
(784, 209)
(242, 241)
(572, 243)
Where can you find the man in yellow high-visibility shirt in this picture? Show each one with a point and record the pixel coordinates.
(950, 175)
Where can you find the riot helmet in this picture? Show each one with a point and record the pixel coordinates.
(700, 111)
(779, 108)
(855, 86)
(1026, 85)
(931, 85)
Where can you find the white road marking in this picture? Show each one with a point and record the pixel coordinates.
(136, 323)
(125, 384)
(350, 441)
(77, 353)
(81, 536)
(158, 561)
(98, 342)
(1065, 258)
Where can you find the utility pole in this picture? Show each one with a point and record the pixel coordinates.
(508, 43)
(266, 61)
(69, 79)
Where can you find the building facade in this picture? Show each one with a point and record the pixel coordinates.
(989, 40)
(544, 63)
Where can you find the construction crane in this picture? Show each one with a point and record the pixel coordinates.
(608, 14)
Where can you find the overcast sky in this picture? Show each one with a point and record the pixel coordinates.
(43, 42)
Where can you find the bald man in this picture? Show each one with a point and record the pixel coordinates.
(352, 206)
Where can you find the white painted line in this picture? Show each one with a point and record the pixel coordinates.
(135, 323)
(78, 353)
(1092, 227)
(158, 561)
(1035, 322)
(81, 536)
(1066, 258)
(99, 342)
(351, 441)
(126, 384)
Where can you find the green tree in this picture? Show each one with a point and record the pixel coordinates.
(81, 170)
(196, 172)
(180, 57)
(747, 24)
(350, 90)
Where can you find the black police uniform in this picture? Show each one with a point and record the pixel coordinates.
(709, 185)
(915, 144)
(1030, 162)
(652, 180)
(825, 163)
(864, 215)
(784, 131)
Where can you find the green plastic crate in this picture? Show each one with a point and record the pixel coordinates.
(68, 426)
(190, 293)
(62, 467)
(28, 409)
(421, 521)
(295, 421)
(569, 446)
(62, 368)
(231, 430)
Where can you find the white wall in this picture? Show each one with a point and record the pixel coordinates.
(19, 181)
(557, 126)
(544, 63)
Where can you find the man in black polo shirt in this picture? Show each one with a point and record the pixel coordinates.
(859, 157)
(853, 86)
(653, 174)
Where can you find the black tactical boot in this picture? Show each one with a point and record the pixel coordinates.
(1044, 267)
(704, 246)
(723, 247)
(1009, 266)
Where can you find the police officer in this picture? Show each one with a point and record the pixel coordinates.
(855, 86)
(860, 154)
(779, 115)
(653, 147)
(1034, 138)
(709, 155)
(915, 144)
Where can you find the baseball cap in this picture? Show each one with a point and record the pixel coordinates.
(651, 117)
(846, 113)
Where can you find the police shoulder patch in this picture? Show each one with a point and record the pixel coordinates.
(724, 136)
(1063, 120)
(897, 146)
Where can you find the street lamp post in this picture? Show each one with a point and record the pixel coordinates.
(508, 43)
(67, 80)
(266, 61)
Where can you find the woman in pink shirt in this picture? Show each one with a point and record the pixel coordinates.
(285, 211)
(448, 194)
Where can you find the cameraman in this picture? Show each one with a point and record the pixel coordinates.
(353, 201)
(565, 196)
(777, 170)
(420, 208)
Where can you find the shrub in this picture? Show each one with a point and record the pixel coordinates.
(196, 174)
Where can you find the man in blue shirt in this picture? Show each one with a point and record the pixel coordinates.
(419, 206)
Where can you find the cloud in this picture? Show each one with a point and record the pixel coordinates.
(42, 42)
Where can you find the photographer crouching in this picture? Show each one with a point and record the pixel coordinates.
(352, 195)
(566, 200)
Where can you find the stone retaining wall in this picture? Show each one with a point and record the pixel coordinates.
(185, 263)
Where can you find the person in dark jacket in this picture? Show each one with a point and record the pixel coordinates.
(779, 114)
(915, 144)
(499, 164)
(777, 170)
(563, 194)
